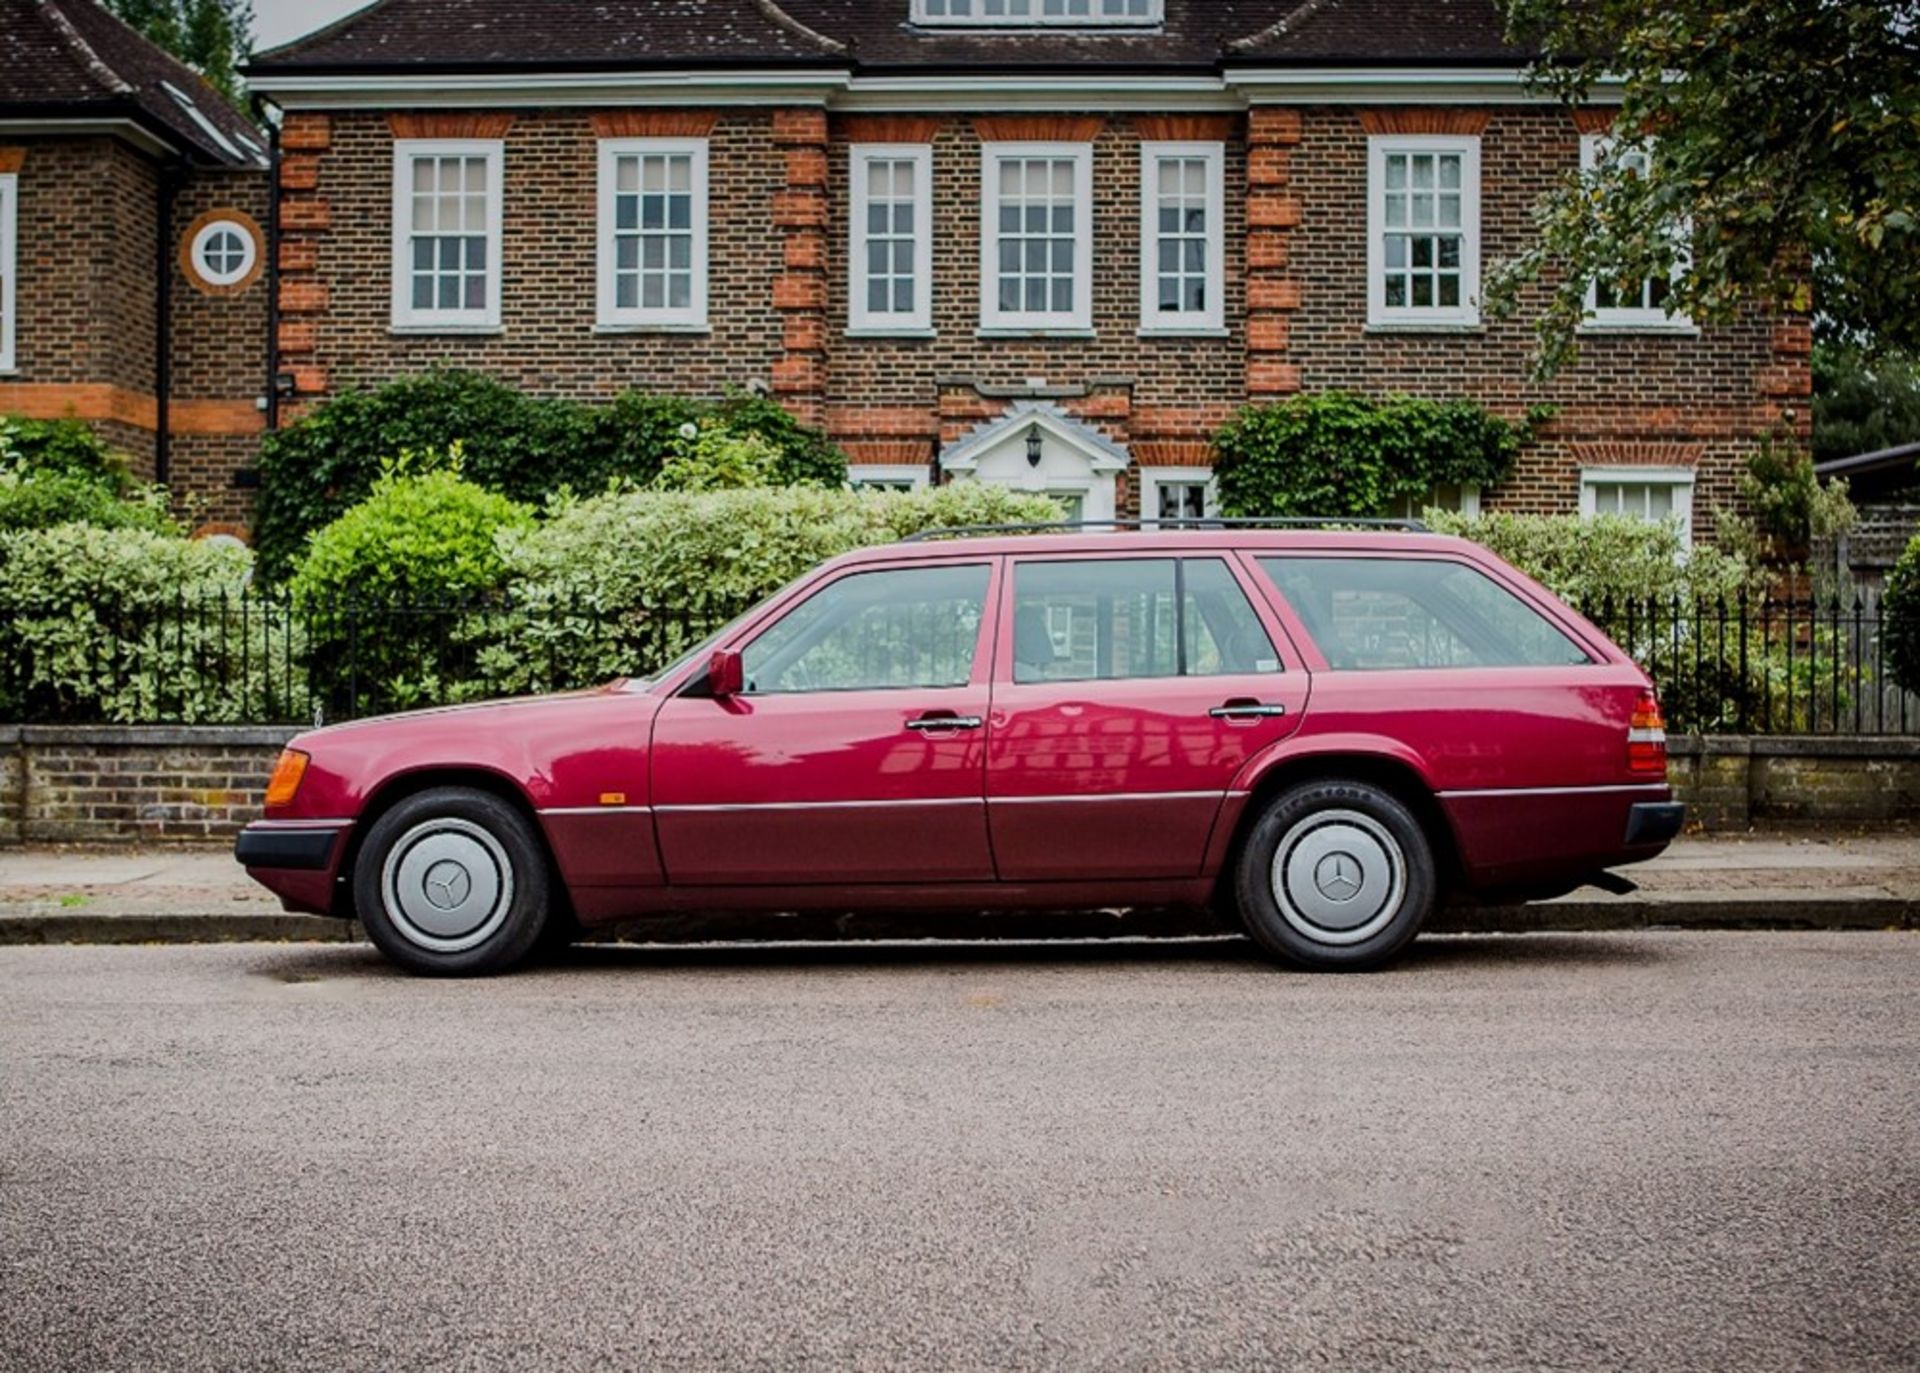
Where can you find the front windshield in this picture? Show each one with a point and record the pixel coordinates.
(705, 646)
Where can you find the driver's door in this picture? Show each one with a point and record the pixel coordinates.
(857, 751)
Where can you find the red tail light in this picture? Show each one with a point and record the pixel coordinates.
(1647, 738)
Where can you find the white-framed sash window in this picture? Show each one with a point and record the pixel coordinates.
(1182, 240)
(890, 248)
(888, 476)
(1036, 236)
(9, 258)
(1641, 305)
(1641, 493)
(653, 233)
(1175, 494)
(1423, 229)
(1057, 13)
(446, 233)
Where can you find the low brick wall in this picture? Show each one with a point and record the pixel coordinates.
(110, 784)
(1731, 782)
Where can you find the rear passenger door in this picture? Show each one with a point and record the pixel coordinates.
(1127, 693)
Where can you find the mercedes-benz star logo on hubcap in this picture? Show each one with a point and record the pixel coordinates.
(447, 885)
(1338, 877)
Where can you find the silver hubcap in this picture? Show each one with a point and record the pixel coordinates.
(1338, 877)
(447, 885)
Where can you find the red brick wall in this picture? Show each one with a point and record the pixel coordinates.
(1679, 400)
(219, 355)
(87, 302)
(1295, 303)
(338, 235)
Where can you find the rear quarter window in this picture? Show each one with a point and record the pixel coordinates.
(1379, 614)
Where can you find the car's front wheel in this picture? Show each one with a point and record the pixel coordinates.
(452, 881)
(1335, 875)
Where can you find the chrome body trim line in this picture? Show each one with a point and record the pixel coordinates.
(595, 810)
(326, 822)
(817, 805)
(1554, 791)
(1107, 796)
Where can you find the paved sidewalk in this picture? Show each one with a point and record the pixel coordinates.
(1772, 881)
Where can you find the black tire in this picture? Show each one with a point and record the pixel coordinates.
(1336, 876)
(472, 849)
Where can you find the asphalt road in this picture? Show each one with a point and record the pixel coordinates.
(1660, 1151)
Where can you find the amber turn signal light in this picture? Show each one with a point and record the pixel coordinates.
(286, 777)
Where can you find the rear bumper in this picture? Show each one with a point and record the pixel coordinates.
(1654, 822)
(1551, 834)
(296, 860)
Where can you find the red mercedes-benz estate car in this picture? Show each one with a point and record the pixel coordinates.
(1320, 732)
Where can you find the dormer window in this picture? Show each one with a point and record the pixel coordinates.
(1023, 13)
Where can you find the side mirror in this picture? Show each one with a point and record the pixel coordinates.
(725, 674)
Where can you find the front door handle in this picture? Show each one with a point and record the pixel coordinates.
(1247, 710)
(931, 722)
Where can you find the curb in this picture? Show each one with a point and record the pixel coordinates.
(1564, 916)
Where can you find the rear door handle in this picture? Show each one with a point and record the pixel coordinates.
(1247, 710)
(928, 722)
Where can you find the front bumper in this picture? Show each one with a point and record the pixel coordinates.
(296, 860)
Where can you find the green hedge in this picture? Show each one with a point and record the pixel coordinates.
(56, 472)
(621, 583)
(1337, 454)
(1900, 618)
(521, 446)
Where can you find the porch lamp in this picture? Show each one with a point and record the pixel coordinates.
(1033, 445)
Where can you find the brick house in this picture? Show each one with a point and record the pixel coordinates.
(132, 250)
(1049, 242)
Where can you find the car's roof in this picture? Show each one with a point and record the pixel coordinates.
(1197, 540)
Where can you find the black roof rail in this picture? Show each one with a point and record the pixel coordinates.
(1205, 522)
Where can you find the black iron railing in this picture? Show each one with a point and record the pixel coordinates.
(1760, 666)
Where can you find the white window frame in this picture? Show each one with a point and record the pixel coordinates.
(1469, 503)
(1681, 479)
(405, 317)
(608, 316)
(994, 320)
(919, 320)
(9, 259)
(1213, 319)
(1153, 478)
(1036, 17)
(1616, 319)
(1467, 313)
(206, 234)
(884, 476)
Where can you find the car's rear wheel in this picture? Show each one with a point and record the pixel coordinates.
(452, 881)
(1335, 875)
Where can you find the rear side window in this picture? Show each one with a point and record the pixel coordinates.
(1108, 619)
(1384, 613)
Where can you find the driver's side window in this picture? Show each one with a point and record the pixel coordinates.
(900, 627)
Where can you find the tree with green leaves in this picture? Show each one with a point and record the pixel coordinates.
(214, 37)
(1781, 166)
(1862, 404)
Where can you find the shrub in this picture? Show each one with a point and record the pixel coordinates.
(1790, 505)
(1610, 557)
(1900, 618)
(58, 472)
(382, 587)
(717, 458)
(621, 583)
(1338, 454)
(521, 446)
(132, 624)
(40, 500)
(60, 447)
